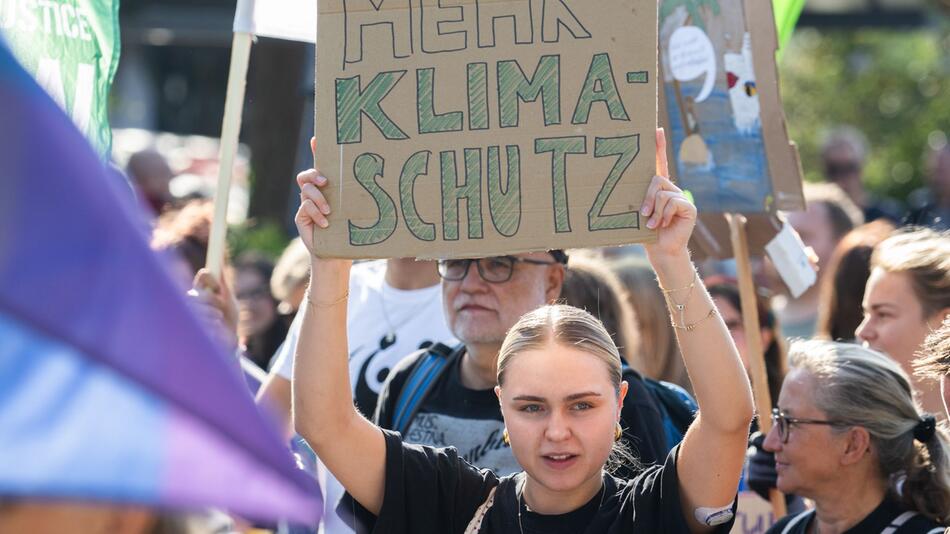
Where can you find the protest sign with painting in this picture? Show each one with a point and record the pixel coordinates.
(72, 49)
(721, 106)
(485, 126)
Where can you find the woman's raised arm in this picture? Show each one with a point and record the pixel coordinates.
(712, 453)
(351, 447)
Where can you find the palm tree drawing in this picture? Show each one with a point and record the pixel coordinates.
(692, 7)
(694, 149)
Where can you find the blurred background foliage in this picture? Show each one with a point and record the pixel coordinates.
(268, 237)
(893, 85)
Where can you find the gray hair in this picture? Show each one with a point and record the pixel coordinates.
(863, 387)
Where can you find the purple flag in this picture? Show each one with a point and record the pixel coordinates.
(109, 387)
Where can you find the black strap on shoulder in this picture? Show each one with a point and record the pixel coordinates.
(423, 376)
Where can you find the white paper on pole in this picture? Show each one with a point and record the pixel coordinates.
(790, 258)
(295, 20)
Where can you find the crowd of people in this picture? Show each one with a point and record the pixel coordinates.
(573, 391)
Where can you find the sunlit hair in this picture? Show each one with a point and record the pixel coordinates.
(862, 387)
(291, 271)
(843, 214)
(590, 285)
(934, 356)
(842, 288)
(571, 327)
(924, 255)
(186, 231)
(657, 354)
(567, 326)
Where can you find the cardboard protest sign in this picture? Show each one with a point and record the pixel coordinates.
(711, 237)
(754, 514)
(483, 127)
(721, 106)
(72, 49)
(294, 20)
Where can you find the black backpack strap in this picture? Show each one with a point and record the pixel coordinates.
(423, 376)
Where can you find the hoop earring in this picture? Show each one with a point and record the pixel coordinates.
(618, 432)
(504, 437)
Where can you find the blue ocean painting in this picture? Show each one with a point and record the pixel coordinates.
(738, 179)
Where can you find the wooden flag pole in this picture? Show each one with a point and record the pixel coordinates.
(230, 129)
(753, 336)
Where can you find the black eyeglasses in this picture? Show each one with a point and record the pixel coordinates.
(782, 422)
(495, 270)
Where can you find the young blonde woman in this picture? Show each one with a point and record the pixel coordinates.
(907, 297)
(561, 394)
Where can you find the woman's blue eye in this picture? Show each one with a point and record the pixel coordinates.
(530, 408)
(582, 406)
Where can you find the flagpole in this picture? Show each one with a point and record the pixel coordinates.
(230, 129)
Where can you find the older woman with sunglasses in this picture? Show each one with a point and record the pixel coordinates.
(848, 435)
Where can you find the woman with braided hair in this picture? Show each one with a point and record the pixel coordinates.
(849, 435)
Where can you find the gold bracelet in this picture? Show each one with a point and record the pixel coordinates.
(680, 308)
(684, 288)
(316, 304)
(691, 327)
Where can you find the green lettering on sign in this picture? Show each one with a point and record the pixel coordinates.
(417, 165)
(504, 200)
(352, 103)
(478, 96)
(627, 148)
(514, 87)
(453, 193)
(429, 121)
(560, 147)
(599, 87)
(366, 168)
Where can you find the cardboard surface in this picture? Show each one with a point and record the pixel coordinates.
(466, 128)
(711, 237)
(754, 515)
(721, 107)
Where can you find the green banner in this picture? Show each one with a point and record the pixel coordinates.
(72, 48)
(786, 16)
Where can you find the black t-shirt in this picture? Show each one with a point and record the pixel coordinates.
(889, 517)
(433, 491)
(470, 420)
(451, 415)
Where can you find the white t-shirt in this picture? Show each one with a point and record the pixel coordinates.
(384, 325)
